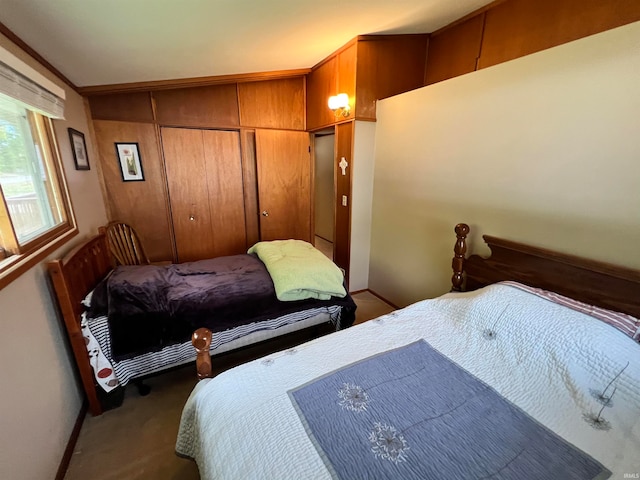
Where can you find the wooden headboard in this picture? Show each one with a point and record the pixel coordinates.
(597, 283)
(73, 276)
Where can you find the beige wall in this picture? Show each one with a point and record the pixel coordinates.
(361, 194)
(40, 398)
(543, 149)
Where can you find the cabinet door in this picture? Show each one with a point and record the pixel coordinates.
(204, 176)
(284, 184)
(225, 190)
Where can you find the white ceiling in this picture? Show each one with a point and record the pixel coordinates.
(101, 42)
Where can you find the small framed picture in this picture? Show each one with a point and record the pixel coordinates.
(79, 149)
(130, 164)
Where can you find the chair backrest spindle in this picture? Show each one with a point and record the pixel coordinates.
(125, 245)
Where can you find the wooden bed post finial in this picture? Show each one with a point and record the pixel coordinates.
(201, 341)
(460, 248)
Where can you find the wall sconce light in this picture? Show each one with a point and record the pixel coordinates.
(340, 105)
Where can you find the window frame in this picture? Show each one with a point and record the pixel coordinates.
(34, 250)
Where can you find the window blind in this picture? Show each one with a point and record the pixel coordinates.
(33, 94)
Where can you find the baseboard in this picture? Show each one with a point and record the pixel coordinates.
(73, 439)
(325, 239)
(375, 295)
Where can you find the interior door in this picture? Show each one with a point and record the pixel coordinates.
(284, 184)
(204, 177)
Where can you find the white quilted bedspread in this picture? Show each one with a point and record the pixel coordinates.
(545, 358)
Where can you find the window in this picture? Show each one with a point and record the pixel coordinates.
(34, 205)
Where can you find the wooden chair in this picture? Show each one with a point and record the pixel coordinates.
(125, 245)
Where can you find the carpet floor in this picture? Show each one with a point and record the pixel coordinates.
(137, 440)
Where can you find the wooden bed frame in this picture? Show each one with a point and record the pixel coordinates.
(597, 283)
(73, 276)
(76, 274)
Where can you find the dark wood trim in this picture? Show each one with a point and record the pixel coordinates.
(4, 30)
(71, 444)
(190, 82)
(343, 147)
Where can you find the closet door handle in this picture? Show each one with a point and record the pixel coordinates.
(192, 218)
(265, 213)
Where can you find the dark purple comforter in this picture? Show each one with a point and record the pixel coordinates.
(150, 307)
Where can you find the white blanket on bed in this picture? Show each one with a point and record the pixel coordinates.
(545, 358)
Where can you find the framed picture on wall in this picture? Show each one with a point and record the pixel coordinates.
(130, 163)
(79, 149)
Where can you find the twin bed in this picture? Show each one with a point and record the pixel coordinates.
(128, 322)
(532, 372)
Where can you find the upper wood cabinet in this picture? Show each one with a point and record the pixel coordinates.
(454, 51)
(128, 107)
(367, 69)
(510, 29)
(519, 27)
(275, 104)
(213, 106)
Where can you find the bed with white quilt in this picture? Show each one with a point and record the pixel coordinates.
(508, 381)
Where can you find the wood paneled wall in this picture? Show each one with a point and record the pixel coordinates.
(138, 116)
(278, 103)
(514, 28)
(368, 68)
(520, 27)
(143, 205)
(388, 65)
(455, 51)
(321, 84)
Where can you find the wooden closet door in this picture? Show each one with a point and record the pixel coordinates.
(284, 184)
(204, 178)
(188, 192)
(226, 195)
